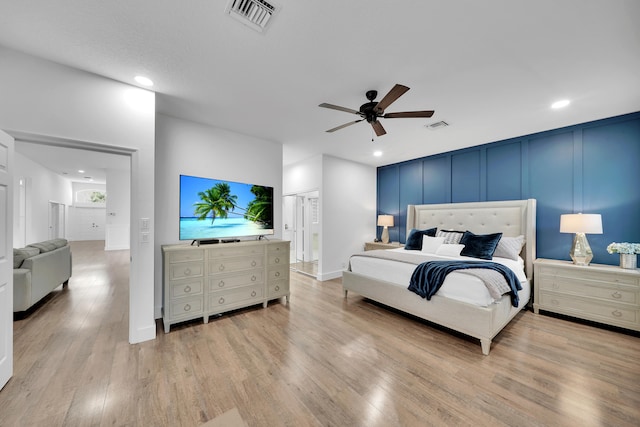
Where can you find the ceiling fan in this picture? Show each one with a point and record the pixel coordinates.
(372, 110)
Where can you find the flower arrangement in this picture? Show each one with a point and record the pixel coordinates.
(623, 248)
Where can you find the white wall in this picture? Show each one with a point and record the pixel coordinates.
(43, 186)
(347, 193)
(118, 209)
(189, 148)
(44, 98)
(348, 205)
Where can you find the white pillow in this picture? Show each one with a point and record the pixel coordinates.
(431, 244)
(450, 250)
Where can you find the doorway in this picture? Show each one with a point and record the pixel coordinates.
(302, 228)
(56, 220)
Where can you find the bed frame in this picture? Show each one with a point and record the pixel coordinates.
(512, 218)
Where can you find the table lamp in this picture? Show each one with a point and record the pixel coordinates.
(581, 224)
(385, 221)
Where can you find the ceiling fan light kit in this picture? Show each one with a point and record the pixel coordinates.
(372, 111)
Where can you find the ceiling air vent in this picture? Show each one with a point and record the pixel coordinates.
(253, 13)
(438, 125)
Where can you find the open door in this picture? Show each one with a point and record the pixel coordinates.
(6, 258)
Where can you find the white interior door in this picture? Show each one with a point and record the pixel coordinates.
(6, 258)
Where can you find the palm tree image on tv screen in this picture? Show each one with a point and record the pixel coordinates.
(212, 209)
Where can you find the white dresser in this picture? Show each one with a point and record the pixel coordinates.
(212, 279)
(601, 293)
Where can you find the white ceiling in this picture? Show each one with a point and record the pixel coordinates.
(489, 68)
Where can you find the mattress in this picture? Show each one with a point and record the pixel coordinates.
(457, 286)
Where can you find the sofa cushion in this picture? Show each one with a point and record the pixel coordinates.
(46, 246)
(19, 255)
(59, 242)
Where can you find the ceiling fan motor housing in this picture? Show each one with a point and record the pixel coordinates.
(368, 111)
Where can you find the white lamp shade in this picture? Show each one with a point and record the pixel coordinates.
(385, 220)
(581, 223)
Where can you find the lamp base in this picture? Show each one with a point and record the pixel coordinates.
(581, 253)
(385, 235)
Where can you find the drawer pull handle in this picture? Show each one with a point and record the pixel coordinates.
(253, 263)
(187, 289)
(253, 294)
(616, 295)
(187, 272)
(253, 278)
(221, 300)
(187, 307)
(221, 284)
(277, 288)
(277, 274)
(277, 260)
(616, 313)
(221, 268)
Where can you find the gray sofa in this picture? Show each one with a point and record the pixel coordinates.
(38, 269)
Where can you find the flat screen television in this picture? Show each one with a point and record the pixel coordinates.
(212, 209)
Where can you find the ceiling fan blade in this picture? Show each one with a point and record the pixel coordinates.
(396, 92)
(377, 127)
(339, 108)
(344, 125)
(409, 114)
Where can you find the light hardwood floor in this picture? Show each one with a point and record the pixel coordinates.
(319, 361)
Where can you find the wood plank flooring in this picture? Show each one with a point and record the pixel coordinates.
(320, 360)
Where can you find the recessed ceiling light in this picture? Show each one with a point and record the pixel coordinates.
(560, 104)
(80, 171)
(377, 153)
(144, 81)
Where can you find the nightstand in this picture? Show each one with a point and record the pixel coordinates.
(600, 293)
(369, 246)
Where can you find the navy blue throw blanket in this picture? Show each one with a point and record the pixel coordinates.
(428, 277)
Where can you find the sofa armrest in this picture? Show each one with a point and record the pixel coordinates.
(21, 289)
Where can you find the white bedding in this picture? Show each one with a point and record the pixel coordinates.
(458, 286)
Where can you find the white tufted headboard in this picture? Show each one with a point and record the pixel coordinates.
(511, 217)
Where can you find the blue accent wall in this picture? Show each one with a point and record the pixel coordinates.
(591, 168)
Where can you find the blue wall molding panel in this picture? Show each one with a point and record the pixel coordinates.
(592, 167)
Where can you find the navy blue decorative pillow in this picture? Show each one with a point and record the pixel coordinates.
(414, 241)
(479, 245)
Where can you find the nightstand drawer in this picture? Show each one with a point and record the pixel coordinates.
(593, 310)
(587, 274)
(588, 288)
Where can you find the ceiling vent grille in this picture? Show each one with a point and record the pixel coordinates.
(438, 125)
(255, 14)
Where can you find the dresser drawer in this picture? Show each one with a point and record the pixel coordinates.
(217, 266)
(593, 310)
(278, 273)
(277, 288)
(279, 249)
(229, 250)
(186, 308)
(186, 255)
(185, 270)
(278, 259)
(588, 288)
(185, 288)
(243, 296)
(222, 282)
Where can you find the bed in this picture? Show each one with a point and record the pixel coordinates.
(478, 320)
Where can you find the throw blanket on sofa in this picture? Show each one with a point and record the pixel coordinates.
(429, 276)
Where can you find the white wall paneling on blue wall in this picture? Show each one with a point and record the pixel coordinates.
(590, 168)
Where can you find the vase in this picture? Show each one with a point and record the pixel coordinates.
(628, 261)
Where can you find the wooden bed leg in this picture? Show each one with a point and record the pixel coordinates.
(486, 345)
(345, 293)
